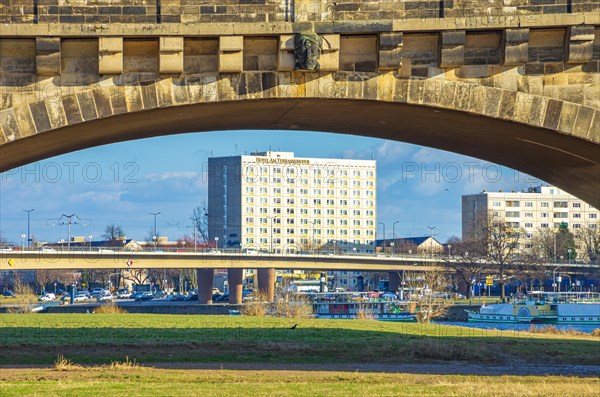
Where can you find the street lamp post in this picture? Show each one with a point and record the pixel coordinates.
(313, 235)
(28, 227)
(217, 243)
(570, 282)
(90, 237)
(431, 229)
(449, 250)
(394, 236)
(154, 236)
(554, 277)
(383, 241)
(23, 242)
(54, 289)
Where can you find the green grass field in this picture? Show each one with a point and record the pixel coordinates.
(102, 338)
(161, 382)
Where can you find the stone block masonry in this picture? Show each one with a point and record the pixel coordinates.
(227, 11)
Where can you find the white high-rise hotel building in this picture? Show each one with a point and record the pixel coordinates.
(275, 202)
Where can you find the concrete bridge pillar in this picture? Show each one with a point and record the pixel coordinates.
(394, 281)
(235, 278)
(205, 285)
(266, 283)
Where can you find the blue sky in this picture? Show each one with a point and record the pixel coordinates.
(122, 183)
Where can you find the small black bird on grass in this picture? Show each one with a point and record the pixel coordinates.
(294, 326)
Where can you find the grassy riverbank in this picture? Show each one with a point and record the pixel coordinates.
(169, 382)
(102, 338)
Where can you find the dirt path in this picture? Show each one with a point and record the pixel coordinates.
(450, 368)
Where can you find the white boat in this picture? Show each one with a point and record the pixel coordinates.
(356, 305)
(539, 307)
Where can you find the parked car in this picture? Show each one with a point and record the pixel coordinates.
(214, 252)
(388, 295)
(9, 294)
(176, 297)
(80, 298)
(191, 297)
(222, 298)
(146, 296)
(104, 298)
(124, 295)
(47, 249)
(47, 297)
(135, 294)
(65, 300)
(250, 251)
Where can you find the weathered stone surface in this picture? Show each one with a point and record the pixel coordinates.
(48, 61)
(516, 46)
(580, 46)
(171, 55)
(583, 121)
(452, 49)
(231, 54)
(594, 131)
(25, 120)
(110, 55)
(390, 54)
(71, 108)
(40, 116)
(9, 126)
(568, 115)
(87, 106)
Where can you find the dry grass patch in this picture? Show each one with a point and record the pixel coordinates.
(122, 365)
(64, 364)
(110, 308)
(551, 329)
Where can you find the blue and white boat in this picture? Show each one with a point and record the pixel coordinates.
(539, 307)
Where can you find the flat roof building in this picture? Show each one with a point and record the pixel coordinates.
(541, 207)
(275, 202)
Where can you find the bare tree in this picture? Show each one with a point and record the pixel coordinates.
(137, 276)
(114, 234)
(497, 242)
(423, 287)
(43, 277)
(589, 237)
(200, 223)
(466, 261)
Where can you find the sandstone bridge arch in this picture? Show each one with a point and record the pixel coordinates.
(516, 91)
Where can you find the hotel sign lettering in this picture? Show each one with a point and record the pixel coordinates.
(268, 160)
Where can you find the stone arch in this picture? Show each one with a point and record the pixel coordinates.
(554, 140)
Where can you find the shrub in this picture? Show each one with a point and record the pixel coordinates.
(110, 308)
(64, 364)
(259, 307)
(292, 306)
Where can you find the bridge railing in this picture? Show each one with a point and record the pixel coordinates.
(236, 11)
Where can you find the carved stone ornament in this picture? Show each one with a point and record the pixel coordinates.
(307, 50)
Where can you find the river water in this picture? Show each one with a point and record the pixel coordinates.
(521, 327)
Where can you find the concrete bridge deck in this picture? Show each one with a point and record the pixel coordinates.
(32, 260)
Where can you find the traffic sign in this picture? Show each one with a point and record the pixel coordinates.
(489, 280)
(130, 263)
(11, 262)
